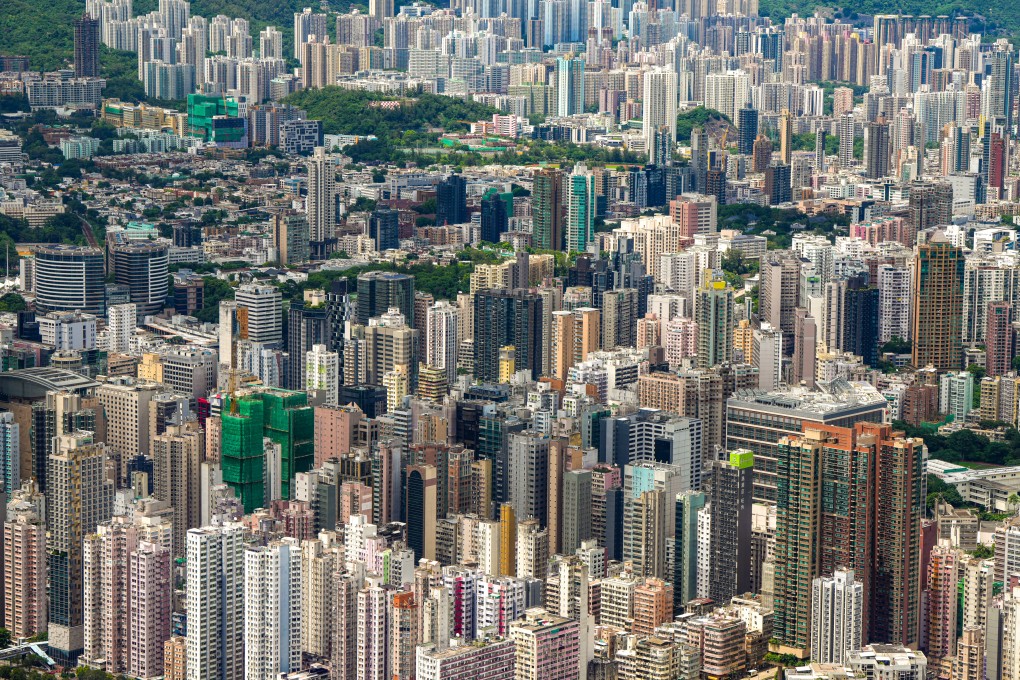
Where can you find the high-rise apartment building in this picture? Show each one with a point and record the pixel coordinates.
(507, 318)
(215, 600)
(548, 209)
(319, 204)
(938, 304)
(272, 609)
(837, 616)
(86, 47)
(714, 314)
(177, 455)
(79, 496)
(24, 563)
(546, 646)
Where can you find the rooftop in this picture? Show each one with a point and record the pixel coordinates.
(34, 383)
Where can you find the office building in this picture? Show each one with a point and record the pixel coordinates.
(580, 195)
(144, 267)
(70, 278)
(383, 229)
(378, 292)
(262, 321)
(422, 511)
(451, 201)
(730, 547)
(495, 219)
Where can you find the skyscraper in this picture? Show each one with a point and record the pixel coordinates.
(930, 205)
(378, 292)
(847, 126)
(658, 108)
(685, 551)
(144, 267)
(570, 86)
(215, 598)
(319, 204)
(421, 511)
(86, 47)
(451, 201)
(547, 209)
(747, 126)
(580, 209)
(837, 616)
(272, 609)
(576, 516)
(79, 496)
(730, 548)
(876, 149)
(714, 311)
(786, 137)
(938, 304)
(502, 318)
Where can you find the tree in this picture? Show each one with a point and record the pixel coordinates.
(5, 638)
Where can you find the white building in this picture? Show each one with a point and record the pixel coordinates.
(214, 594)
(322, 372)
(68, 330)
(264, 307)
(658, 107)
(121, 321)
(441, 338)
(956, 394)
(272, 610)
(768, 356)
(837, 616)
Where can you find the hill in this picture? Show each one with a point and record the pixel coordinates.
(355, 112)
(44, 31)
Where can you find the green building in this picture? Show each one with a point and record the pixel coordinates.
(290, 422)
(242, 454)
(202, 109)
(282, 416)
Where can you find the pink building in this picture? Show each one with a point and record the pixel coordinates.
(355, 499)
(883, 229)
(336, 429)
(648, 331)
(151, 591)
(24, 543)
(680, 340)
(547, 647)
